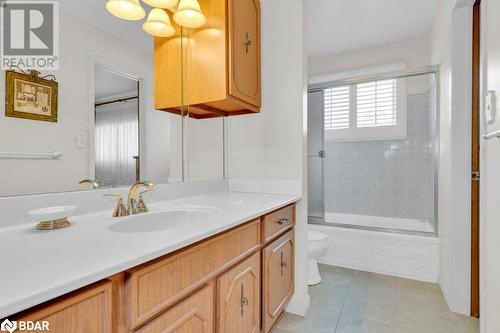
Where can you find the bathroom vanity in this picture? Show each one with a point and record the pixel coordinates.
(227, 265)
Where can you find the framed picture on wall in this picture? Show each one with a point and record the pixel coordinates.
(29, 96)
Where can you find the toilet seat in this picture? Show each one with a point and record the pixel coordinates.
(316, 235)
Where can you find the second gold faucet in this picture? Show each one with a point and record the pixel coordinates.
(133, 206)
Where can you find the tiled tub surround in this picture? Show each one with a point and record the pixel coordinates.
(44, 265)
(390, 178)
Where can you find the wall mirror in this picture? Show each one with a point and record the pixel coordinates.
(107, 128)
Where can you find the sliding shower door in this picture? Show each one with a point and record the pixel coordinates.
(379, 169)
(315, 157)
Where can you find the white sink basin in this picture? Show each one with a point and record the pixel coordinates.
(162, 220)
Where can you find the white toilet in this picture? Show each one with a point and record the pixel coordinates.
(317, 245)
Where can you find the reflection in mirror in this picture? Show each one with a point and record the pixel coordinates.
(206, 148)
(116, 129)
(204, 135)
(90, 35)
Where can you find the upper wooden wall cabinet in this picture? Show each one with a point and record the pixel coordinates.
(214, 69)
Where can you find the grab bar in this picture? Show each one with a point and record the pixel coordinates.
(494, 134)
(55, 155)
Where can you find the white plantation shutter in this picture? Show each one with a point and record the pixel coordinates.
(374, 110)
(377, 103)
(337, 107)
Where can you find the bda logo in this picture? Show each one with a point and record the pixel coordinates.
(8, 326)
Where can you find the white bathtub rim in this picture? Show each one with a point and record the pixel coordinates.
(366, 250)
(429, 239)
(380, 222)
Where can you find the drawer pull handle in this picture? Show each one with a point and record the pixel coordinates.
(283, 264)
(243, 301)
(282, 221)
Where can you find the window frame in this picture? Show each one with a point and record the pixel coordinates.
(355, 133)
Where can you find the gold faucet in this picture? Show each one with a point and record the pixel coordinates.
(120, 209)
(94, 184)
(132, 205)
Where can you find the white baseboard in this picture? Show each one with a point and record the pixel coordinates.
(298, 307)
(407, 256)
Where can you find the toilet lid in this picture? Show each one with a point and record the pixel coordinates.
(316, 235)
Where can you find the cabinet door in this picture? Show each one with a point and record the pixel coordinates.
(278, 274)
(85, 311)
(193, 315)
(244, 50)
(239, 298)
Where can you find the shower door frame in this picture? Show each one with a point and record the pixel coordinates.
(321, 155)
(406, 73)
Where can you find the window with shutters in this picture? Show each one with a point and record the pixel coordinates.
(374, 110)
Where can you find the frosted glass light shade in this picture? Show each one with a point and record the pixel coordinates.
(189, 15)
(162, 3)
(158, 24)
(126, 9)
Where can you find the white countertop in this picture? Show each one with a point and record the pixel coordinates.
(37, 266)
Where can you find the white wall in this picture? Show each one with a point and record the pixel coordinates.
(78, 41)
(270, 146)
(206, 149)
(451, 48)
(413, 53)
(490, 176)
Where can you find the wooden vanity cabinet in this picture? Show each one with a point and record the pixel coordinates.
(238, 301)
(277, 278)
(86, 310)
(219, 66)
(195, 314)
(238, 281)
(157, 285)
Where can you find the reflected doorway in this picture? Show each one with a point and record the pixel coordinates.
(116, 128)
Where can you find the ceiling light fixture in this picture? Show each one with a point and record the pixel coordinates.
(126, 9)
(162, 3)
(158, 24)
(189, 15)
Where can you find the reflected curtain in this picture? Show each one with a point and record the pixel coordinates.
(116, 143)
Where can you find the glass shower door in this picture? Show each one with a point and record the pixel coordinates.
(315, 157)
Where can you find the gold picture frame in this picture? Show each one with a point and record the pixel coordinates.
(29, 96)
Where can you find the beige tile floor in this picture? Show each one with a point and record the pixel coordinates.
(349, 301)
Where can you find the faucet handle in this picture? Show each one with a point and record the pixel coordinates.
(120, 209)
(93, 183)
(141, 205)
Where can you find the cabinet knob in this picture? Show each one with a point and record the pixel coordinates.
(282, 221)
(248, 42)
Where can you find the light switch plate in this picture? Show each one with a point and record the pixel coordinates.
(490, 107)
(81, 141)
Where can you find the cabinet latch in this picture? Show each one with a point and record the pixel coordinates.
(243, 301)
(283, 264)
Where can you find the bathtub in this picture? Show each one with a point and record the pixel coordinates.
(397, 254)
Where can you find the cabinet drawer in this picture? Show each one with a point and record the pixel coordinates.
(276, 222)
(88, 310)
(193, 315)
(277, 277)
(154, 286)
